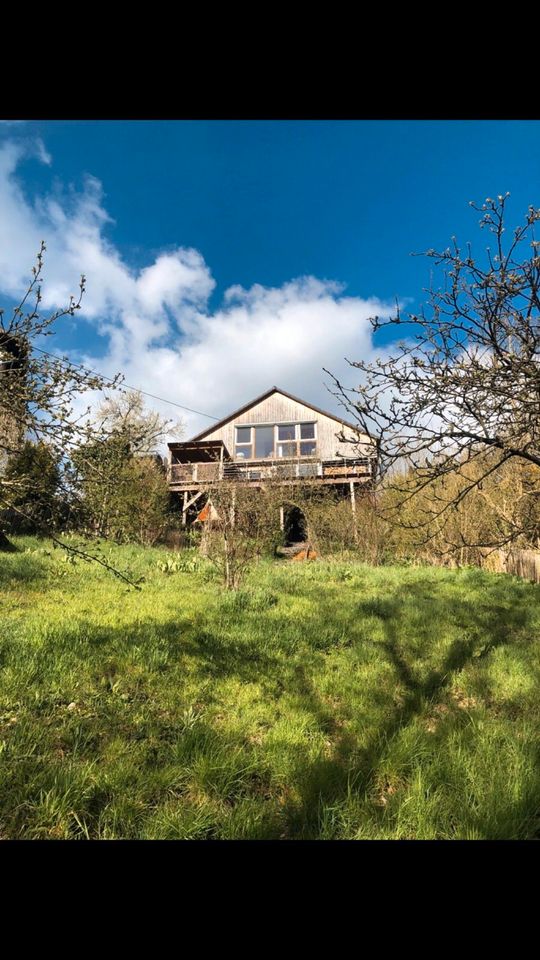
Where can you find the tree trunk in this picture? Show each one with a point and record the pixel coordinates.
(228, 579)
(6, 546)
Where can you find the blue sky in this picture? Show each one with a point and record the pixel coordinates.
(312, 224)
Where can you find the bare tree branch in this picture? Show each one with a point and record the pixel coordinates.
(463, 387)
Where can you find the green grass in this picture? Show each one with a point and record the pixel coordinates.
(321, 701)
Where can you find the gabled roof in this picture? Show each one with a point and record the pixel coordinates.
(263, 396)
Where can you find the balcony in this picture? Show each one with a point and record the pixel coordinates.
(195, 472)
(190, 475)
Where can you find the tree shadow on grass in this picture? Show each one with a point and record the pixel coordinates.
(19, 568)
(491, 624)
(346, 765)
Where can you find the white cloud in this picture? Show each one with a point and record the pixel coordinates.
(156, 323)
(42, 153)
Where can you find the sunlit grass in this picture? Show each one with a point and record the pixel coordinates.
(323, 700)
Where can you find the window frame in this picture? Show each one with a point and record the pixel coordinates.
(243, 444)
(265, 426)
(275, 455)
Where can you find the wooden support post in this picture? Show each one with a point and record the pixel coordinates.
(353, 507)
(233, 508)
(189, 503)
(282, 518)
(194, 499)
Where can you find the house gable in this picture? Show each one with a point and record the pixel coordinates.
(277, 406)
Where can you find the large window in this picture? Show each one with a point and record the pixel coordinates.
(296, 440)
(282, 440)
(286, 431)
(308, 446)
(243, 449)
(264, 442)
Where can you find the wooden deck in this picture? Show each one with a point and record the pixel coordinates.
(190, 476)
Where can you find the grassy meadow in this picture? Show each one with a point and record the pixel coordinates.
(322, 701)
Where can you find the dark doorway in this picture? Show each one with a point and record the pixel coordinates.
(294, 525)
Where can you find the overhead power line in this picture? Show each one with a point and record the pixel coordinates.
(80, 366)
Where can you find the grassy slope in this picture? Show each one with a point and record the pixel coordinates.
(327, 700)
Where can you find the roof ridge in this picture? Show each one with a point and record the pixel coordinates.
(263, 396)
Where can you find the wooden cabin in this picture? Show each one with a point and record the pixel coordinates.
(275, 437)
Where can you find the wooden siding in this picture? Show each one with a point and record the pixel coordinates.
(280, 409)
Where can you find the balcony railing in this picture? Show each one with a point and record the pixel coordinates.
(198, 472)
(282, 469)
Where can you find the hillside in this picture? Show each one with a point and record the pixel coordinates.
(321, 701)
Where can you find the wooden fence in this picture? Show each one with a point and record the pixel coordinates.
(521, 563)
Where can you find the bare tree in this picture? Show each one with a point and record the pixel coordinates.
(38, 392)
(144, 430)
(241, 525)
(460, 395)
